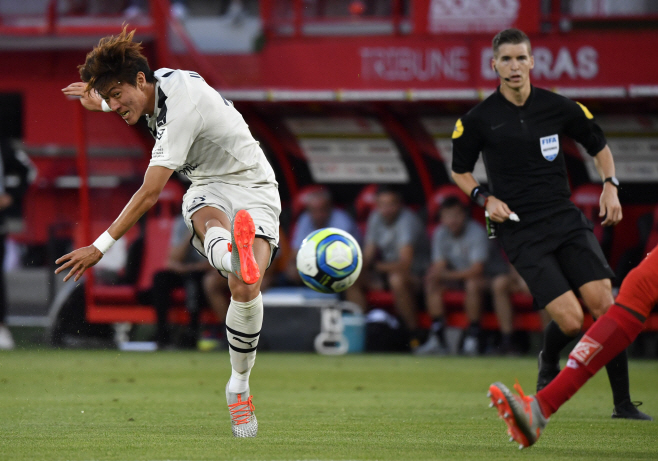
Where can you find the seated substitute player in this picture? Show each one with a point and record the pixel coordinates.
(518, 130)
(465, 259)
(396, 253)
(527, 416)
(232, 206)
(319, 213)
(186, 268)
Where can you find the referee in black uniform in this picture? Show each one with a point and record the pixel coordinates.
(519, 129)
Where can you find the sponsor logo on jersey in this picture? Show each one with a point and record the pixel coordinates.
(585, 350)
(550, 146)
(588, 114)
(187, 169)
(158, 151)
(459, 129)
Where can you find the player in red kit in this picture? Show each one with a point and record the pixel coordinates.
(526, 416)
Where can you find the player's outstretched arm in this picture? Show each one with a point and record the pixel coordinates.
(78, 261)
(90, 100)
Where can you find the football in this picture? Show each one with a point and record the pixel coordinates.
(329, 260)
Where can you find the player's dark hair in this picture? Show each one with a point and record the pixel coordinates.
(323, 193)
(452, 201)
(511, 36)
(389, 189)
(115, 59)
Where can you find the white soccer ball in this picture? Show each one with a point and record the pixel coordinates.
(329, 260)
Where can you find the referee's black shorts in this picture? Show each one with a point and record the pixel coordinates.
(555, 255)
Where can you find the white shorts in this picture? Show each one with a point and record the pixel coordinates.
(262, 203)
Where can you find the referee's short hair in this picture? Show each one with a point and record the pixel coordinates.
(511, 36)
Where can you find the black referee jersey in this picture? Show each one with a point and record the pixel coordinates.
(521, 147)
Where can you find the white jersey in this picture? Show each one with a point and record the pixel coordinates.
(200, 134)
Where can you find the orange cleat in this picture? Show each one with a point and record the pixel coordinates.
(243, 261)
(524, 419)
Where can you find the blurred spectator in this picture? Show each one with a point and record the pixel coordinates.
(217, 294)
(235, 11)
(396, 253)
(319, 213)
(186, 268)
(464, 258)
(15, 169)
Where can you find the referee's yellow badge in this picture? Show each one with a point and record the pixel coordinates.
(459, 129)
(588, 114)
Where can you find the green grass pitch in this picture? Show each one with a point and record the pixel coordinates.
(91, 405)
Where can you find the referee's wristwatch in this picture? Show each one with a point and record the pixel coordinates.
(612, 180)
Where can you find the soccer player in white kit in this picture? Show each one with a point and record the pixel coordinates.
(232, 207)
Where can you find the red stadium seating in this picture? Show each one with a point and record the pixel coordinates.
(119, 303)
(365, 202)
(439, 195)
(300, 200)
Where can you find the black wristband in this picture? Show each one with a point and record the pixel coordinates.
(479, 195)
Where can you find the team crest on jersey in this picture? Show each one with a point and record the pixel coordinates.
(550, 146)
(585, 350)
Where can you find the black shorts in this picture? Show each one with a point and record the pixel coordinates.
(555, 255)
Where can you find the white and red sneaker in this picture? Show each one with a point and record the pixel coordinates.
(243, 418)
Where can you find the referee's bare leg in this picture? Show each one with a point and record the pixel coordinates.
(567, 315)
(597, 296)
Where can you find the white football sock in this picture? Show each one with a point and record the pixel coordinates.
(226, 262)
(243, 324)
(216, 246)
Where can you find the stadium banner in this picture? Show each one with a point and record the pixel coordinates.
(440, 128)
(469, 16)
(452, 62)
(354, 160)
(634, 144)
(635, 159)
(335, 126)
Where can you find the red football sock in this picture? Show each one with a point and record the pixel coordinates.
(605, 339)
